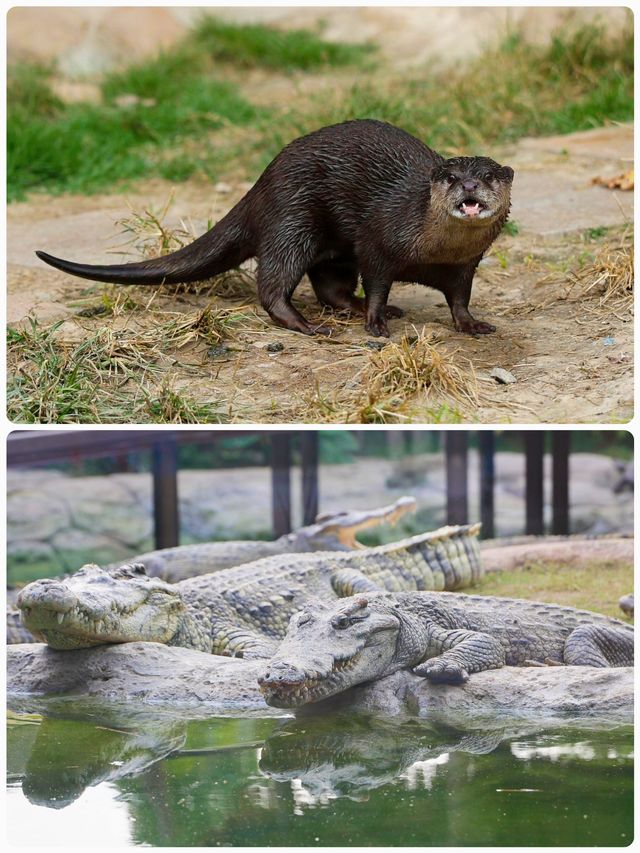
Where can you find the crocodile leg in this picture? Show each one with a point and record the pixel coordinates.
(598, 645)
(455, 654)
(231, 641)
(349, 581)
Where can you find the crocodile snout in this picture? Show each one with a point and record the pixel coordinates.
(47, 594)
(280, 674)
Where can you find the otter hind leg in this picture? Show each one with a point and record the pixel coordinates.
(335, 283)
(276, 284)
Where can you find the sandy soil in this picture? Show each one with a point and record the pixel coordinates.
(572, 361)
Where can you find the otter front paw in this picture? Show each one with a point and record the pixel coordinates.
(442, 671)
(377, 327)
(475, 327)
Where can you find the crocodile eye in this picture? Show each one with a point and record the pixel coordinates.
(302, 620)
(340, 622)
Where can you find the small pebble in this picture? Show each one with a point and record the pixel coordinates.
(375, 345)
(93, 311)
(275, 346)
(503, 376)
(219, 351)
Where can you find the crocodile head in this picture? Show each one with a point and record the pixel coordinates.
(328, 649)
(337, 530)
(95, 606)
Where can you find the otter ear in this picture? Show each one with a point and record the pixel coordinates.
(508, 173)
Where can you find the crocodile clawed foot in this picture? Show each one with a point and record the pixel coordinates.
(444, 672)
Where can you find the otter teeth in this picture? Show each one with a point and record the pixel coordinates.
(471, 208)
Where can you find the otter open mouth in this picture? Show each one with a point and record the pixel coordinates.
(471, 207)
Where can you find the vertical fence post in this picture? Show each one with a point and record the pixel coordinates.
(534, 456)
(486, 449)
(309, 464)
(281, 483)
(456, 444)
(165, 492)
(560, 448)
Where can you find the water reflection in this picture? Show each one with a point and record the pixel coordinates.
(347, 756)
(333, 776)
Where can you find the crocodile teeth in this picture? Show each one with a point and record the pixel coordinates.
(60, 618)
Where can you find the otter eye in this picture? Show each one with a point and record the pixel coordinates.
(451, 179)
(341, 622)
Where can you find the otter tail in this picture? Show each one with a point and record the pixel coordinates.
(224, 247)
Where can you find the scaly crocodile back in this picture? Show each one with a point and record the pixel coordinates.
(258, 599)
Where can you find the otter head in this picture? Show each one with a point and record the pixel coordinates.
(472, 190)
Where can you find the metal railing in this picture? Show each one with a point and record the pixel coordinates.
(35, 447)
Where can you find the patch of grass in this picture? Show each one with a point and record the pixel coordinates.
(403, 382)
(85, 147)
(147, 109)
(511, 228)
(587, 586)
(110, 376)
(258, 46)
(606, 276)
(517, 89)
(172, 407)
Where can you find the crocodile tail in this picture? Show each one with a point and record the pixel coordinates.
(223, 247)
(452, 554)
(444, 559)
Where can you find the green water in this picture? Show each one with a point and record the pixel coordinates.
(104, 775)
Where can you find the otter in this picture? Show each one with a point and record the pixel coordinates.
(358, 199)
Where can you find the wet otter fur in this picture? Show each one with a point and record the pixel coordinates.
(361, 198)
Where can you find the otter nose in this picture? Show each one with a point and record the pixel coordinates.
(282, 672)
(469, 186)
(58, 597)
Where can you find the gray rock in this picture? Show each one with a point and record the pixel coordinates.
(502, 376)
(157, 674)
(527, 693)
(146, 672)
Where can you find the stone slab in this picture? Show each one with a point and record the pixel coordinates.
(157, 674)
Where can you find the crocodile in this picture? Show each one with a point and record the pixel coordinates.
(331, 531)
(443, 637)
(240, 611)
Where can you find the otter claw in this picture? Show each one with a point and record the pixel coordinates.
(477, 327)
(377, 328)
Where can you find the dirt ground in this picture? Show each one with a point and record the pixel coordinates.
(572, 359)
